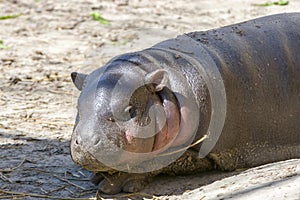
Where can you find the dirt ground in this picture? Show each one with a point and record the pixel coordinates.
(52, 38)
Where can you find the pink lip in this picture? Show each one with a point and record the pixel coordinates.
(162, 140)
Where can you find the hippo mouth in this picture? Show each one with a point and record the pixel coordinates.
(163, 138)
(167, 136)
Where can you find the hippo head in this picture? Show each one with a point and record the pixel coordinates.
(127, 114)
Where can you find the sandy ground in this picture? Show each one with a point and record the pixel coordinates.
(53, 38)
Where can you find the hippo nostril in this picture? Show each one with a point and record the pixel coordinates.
(77, 141)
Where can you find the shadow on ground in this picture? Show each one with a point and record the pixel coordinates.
(42, 168)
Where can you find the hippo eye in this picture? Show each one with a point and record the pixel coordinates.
(131, 111)
(111, 119)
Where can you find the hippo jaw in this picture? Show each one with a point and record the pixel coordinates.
(90, 151)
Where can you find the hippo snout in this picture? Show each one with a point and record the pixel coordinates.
(81, 156)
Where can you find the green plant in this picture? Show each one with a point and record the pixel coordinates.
(3, 17)
(2, 46)
(279, 3)
(97, 16)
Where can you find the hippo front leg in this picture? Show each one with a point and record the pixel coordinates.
(121, 181)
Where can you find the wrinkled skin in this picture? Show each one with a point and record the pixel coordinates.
(260, 66)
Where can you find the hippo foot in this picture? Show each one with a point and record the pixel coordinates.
(96, 178)
(126, 182)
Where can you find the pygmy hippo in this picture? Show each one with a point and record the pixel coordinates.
(226, 98)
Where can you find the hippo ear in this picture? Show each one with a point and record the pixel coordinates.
(159, 77)
(78, 79)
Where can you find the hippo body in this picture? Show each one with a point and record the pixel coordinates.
(256, 66)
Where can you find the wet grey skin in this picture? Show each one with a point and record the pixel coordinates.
(259, 63)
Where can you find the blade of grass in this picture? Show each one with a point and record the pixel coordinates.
(97, 16)
(279, 3)
(3, 17)
(2, 46)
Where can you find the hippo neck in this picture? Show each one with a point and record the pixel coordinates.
(206, 83)
(202, 96)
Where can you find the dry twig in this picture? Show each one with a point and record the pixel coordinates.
(21, 194)
(67, 181)
(4, 178)
(14, 168)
